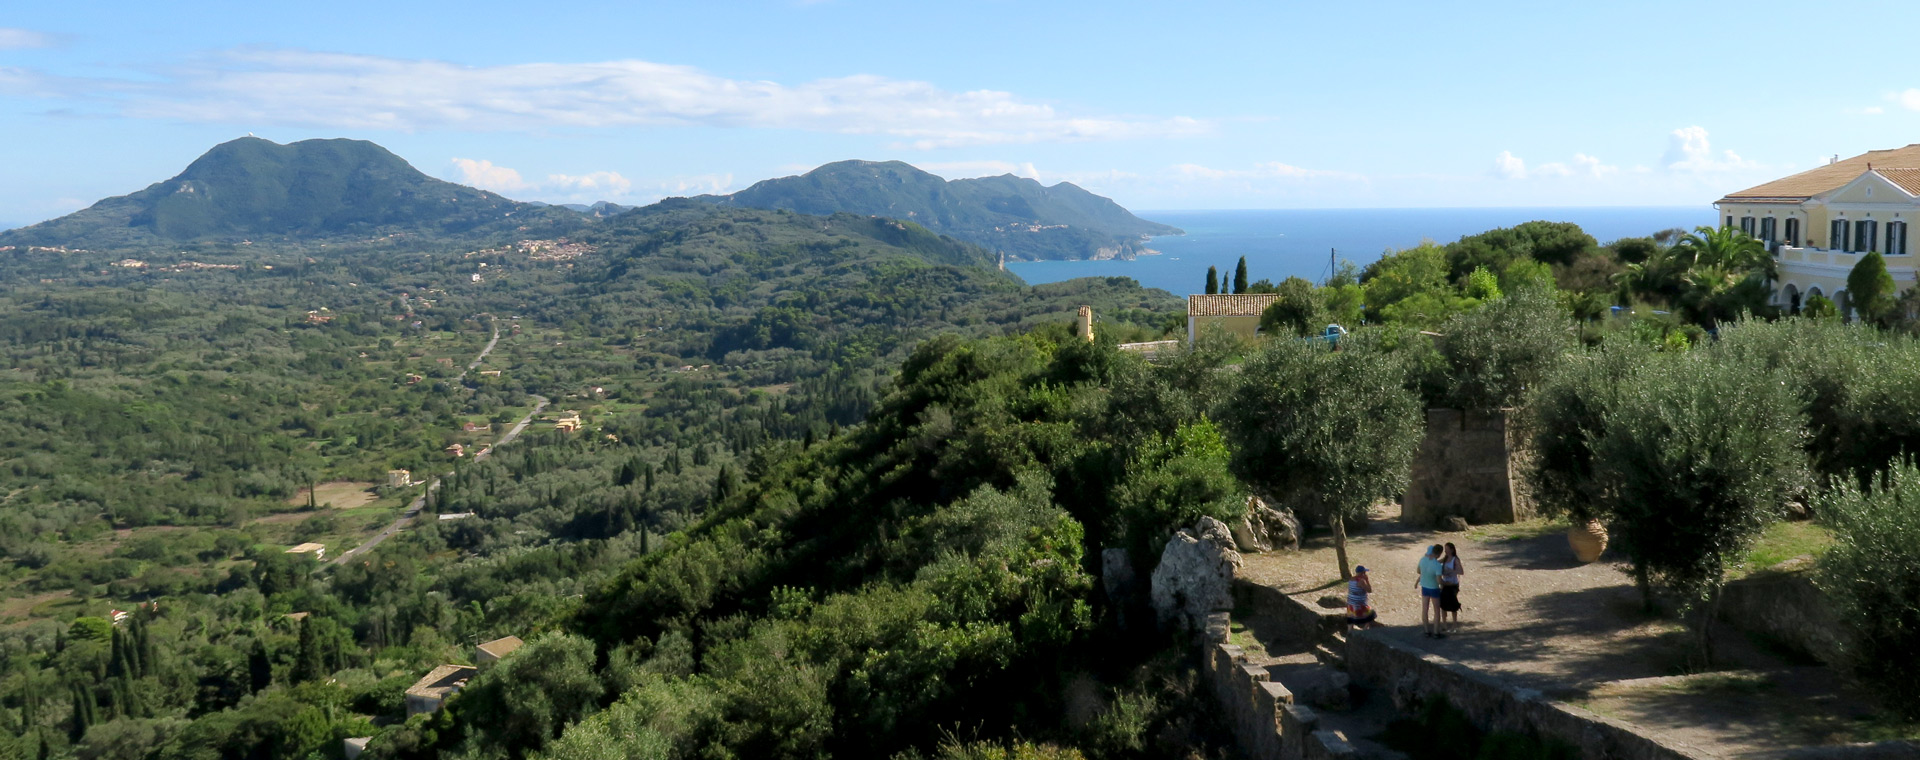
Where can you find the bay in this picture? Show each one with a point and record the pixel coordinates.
(1295, 242)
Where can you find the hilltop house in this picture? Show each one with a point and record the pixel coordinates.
(319, 551)
(436, 687)
(1819, 222)
(569, 423)
(399, 478)
(1238, 314)
(493, 650)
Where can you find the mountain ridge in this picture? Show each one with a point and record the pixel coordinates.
(251, 187)
(1017, 215)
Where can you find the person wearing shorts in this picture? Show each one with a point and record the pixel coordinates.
(1360, 613)
(1429, 583)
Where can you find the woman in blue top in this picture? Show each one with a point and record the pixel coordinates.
(1430, 615)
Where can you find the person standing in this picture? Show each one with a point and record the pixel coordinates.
(1360, 613)
(1429, 583)
(1451, 568)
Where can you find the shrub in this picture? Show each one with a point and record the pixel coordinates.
(1496, 352)
(1697, 454)
(1872, 574)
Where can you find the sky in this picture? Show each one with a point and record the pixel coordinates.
(1196, 105)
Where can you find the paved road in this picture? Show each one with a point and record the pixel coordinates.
(421, 501)
(483, 355)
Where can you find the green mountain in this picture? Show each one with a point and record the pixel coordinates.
(1019, 216)
(260, 190)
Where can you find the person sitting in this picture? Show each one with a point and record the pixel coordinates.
(1360, 614)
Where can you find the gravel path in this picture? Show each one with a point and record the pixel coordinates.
(1537, 618)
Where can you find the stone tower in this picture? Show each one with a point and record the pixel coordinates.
(1086, 322)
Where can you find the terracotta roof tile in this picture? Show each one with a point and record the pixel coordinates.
(1820, 179)
(442, 680)
(1907, 179)
(1225, 305)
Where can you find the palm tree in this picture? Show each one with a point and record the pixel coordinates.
(1725, 247)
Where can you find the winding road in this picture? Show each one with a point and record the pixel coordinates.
(419, 502)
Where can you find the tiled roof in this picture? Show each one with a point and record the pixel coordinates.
(1224, 305)
(1907, 179)
(501, 647)
(1820, 179)
(441, 680)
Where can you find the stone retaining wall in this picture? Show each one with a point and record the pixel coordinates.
(1785, 608)
(1494, 705)
(1266, 723)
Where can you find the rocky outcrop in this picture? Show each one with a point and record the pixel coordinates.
(1266, 529)
(1195, 576)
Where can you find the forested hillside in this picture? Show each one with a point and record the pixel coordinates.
(258, 191)
(1017, 215)
(171, 428)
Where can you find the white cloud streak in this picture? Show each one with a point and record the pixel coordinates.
(1908, 98)
(18, 39)
(344, 91)
(581, 188)
(1509, 166)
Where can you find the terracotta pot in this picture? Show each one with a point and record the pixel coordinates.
(1589, 541)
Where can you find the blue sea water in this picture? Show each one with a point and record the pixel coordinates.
(1285, 243)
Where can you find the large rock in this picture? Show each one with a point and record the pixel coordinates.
(1265, 529)
(1195, 576)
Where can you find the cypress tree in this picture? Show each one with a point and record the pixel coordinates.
(1213, 281)
(307, 663)
(259, 666)
(1240, 276)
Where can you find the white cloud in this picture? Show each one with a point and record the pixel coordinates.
(603, 183)
(1593, 166)
(1509, 166)
(581, 188)
(1688, 150)
(346, 91)
(1909, 98)
(484, 175)
(954, 169)
(1267, 170)
(1873, 110)
(15, 39)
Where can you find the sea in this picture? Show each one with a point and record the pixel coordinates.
(1298, 242)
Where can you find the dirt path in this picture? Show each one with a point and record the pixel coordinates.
(1535, 617)
(420, 501)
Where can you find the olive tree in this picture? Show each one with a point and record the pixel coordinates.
(1338, 427)
(1562, 416)
(1696, 455)
(1496, 352)
(1872, 575)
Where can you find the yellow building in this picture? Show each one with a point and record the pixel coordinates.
(1819, 222)
(1238, 314)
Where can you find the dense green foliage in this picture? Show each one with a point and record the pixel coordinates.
(1872, 574)
(253, 189)
(1013, 214)
(1870, 288)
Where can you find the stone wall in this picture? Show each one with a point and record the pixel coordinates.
(1468, 465)
(1784, 608)
(1266, 723)
(1494, 705)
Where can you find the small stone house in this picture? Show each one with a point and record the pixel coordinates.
(493, 650)
(399, 478)
(1237, 313)
(436, 687)
(319, 551)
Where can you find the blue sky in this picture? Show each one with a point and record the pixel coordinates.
(1158, 105)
